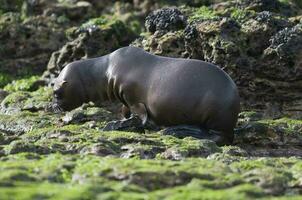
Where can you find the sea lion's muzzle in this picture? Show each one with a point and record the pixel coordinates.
(56, 107)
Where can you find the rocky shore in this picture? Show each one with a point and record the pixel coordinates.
(46, 155)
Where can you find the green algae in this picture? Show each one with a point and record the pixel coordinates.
(22, 84)
(25, 100)
(290, 126)
(5, 78)
(241, 15)
(202, 13)
(106, 22)
(48, 154)
(31, 175)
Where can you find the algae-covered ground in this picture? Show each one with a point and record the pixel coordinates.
(67, 156)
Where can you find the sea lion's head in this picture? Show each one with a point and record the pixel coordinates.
(67, 91)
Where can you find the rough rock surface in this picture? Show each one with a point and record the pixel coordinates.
(260, 50)
(166, 19)
(46, 155)
(95, 38)
(40, 149)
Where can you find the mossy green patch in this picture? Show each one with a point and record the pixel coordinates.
(24, 100)
(107, 22)
(5, 79)
(57, 176)
(22, 84)
(241, 15)
(290, 126)
(202, 13)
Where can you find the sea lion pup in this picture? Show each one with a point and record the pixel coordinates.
(190, 97)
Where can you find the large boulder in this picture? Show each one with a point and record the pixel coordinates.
(28, 43)
(95, 38)
(260, 50)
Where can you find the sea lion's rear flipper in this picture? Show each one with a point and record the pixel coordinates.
(182, 131)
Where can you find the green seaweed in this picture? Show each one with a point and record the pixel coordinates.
(202, 13)
(22, 84)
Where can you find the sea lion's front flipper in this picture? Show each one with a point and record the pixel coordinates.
(137, 122)
(182, 131)
(133, 124)
(140, 110)
(125, 112)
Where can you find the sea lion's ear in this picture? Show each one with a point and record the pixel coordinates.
(62, 83)
(59, 85)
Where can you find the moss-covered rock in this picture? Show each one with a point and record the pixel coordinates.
(28, 45)
(250, 40)
(45, 155)
(120, 178)
(94, 38)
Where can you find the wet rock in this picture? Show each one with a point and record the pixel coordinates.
(166, 19)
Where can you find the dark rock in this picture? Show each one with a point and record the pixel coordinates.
(29, 43)
(287, 44)
(3, 94)
(265, 67)
(166, 19)
(133, 124)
